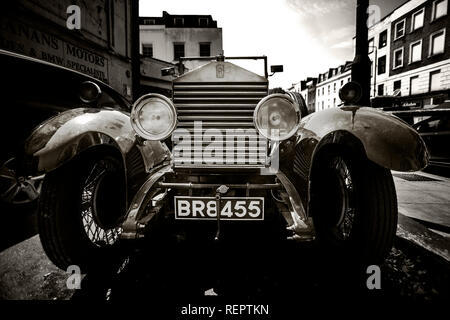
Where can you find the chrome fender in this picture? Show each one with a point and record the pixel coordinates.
(62, 137)
(387, 140)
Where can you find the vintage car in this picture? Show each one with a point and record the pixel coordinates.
(220, 162)
(33, 91)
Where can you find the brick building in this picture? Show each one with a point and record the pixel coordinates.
(410, 53)
(415, 62)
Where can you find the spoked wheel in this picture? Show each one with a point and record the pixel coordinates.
(100, 228)
(354, 207)
(342, 195)
(80, 211)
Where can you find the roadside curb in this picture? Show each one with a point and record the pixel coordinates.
(414, 232)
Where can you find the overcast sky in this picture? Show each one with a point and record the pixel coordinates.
(306, 36)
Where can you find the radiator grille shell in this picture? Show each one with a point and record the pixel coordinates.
(206, 109)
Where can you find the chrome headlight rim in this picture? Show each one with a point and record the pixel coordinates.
(137, 108)
(296, 109)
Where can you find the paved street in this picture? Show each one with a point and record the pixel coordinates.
(26, 273)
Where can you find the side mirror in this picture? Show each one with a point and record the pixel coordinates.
(276, 68)
(168, 71)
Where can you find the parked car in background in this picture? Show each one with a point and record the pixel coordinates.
(435, 131)
(32, 91)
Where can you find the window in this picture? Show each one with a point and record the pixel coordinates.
(381, 89)
(205, 49)
(437, 42)
(147, 50)
(417, 20)
(178, 51)
(149, 21)
(334, 87)
(381, 65)
(435, 80)
(415, 51)
(348, 79)
(178, 22)
(334, 102)
(342, 83)
(371, 46)
(414, 85)
(439, 9)
(328, 89)
(399, 29)
(203, 22)
(371, 68)
(323, 105)
(397, 84)
(323, 90)
(382, 42)
(398, 59)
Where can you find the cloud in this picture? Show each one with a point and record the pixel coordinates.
(348, 44)
(320, 8)
(329, 22)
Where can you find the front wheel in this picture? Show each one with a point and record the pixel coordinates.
(354, 206)
(80, 210)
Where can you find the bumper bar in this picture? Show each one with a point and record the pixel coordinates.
(189, 185)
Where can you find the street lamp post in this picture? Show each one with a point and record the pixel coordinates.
(361, 63)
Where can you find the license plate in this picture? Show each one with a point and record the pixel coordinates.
(232, 208)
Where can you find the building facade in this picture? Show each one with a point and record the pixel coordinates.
(410, 53)
(379, 55)
(307, 88)
(328, 85)
(101, 48)
(170, 37)
(417, 51)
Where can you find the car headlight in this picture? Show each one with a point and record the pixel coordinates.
(277, 117)
(153, 117)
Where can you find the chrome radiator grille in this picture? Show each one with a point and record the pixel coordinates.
(218, 118)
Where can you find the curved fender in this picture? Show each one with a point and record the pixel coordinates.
(60, 138)
(387, 140)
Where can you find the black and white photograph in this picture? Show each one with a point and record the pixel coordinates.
(225, 159)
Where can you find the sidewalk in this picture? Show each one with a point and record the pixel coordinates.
(424, 197)
(424, 210)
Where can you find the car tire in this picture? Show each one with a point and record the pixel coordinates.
(80, 209)
(354, 207)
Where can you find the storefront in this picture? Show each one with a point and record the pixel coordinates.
(101, 48)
